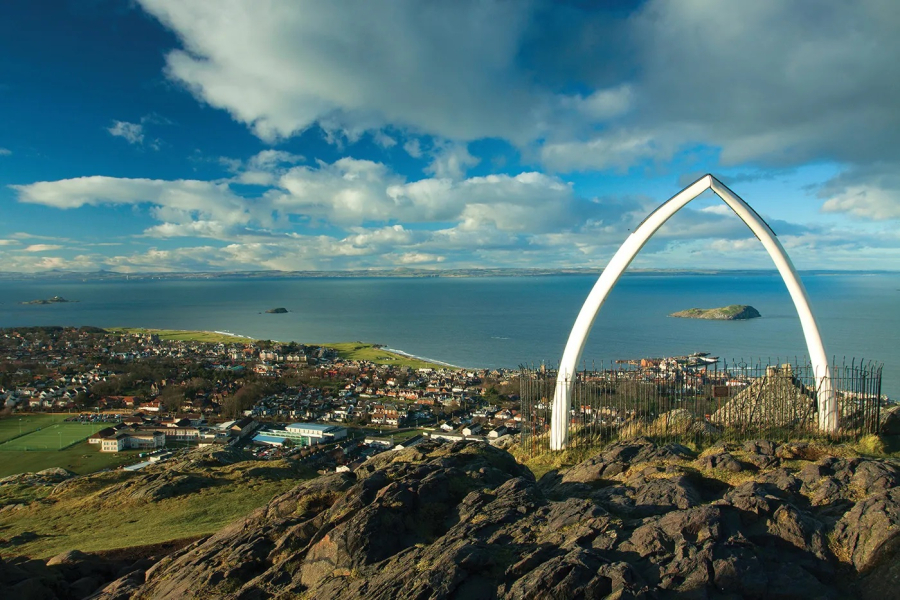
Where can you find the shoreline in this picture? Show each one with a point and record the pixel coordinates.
(237, 337)
(422, 358)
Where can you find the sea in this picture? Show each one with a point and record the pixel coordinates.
(492, 322)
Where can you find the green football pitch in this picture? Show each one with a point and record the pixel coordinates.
(50, 436)
(22, 423)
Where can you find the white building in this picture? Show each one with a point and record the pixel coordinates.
(307, 434)
(315, 433)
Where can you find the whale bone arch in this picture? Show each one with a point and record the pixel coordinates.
(565, 382)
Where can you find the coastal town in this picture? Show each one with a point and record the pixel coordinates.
(144, 393)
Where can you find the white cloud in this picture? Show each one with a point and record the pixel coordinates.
(262, 169)
(417, 258)
(384, 140)
(346, 192)
(602, 104)
(5, 152)
(770, 82)
(620, 149)
(866, 201)
(281, 69)
(355, 213)
(451, 161)
(133, 133)
(8, 242)
(180, 202)
(414, 148)
(269, 160)
(42, 247)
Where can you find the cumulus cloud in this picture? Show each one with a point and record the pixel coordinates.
(745, 83)
(451, 161)
(263, 168)
(871, 192)
(133, 133)
(442, 68)
(355, 213)
(619, 149)
(383, 139)
(5, 152)
(414, 148)
(769, 81)
(180, 202)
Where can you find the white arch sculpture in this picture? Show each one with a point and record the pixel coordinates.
(565, 382)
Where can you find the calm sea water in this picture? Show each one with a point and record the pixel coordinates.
(495, 322)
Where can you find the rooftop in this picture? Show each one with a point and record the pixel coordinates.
(312, 427)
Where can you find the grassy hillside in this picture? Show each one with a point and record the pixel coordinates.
(194, 495)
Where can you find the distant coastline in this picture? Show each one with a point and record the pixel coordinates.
(53, 300)
(400, 273)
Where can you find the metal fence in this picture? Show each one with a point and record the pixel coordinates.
(693, 399)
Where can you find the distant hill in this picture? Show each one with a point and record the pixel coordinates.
(734, 312)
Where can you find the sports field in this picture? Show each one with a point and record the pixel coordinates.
(18, 424)
(82, 458)
(52, 436)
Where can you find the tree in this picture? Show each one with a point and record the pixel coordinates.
(171, 398)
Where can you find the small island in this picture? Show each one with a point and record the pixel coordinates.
(735, 312)
(53, 300)
(277, 311)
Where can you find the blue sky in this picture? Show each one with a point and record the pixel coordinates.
(182, 135)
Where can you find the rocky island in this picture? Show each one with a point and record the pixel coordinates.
(277, 311)
(734, 312)
(53, 300)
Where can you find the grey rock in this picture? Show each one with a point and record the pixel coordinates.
(870, 532)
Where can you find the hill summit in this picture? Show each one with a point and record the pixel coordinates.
(636, 520)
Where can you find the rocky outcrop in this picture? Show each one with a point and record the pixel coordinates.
(50, 476)
(734, 312)
(69, 576)
(637, 520)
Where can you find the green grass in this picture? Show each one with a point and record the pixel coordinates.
(82, 458)
(183, 335)
(90, 529)
(380, 356)
(80, 519)
(53, 436)
(20, 423)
